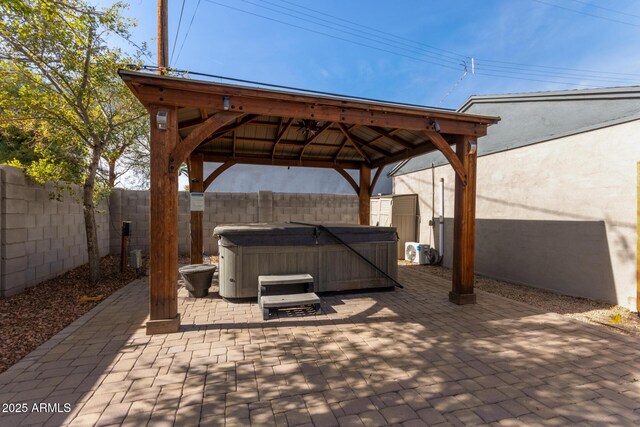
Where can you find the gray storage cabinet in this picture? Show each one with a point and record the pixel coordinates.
(399, 211)
(247, 251)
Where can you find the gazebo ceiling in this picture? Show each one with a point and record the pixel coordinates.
(295, 129)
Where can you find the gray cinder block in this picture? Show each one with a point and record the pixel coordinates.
(12, 221)
(43, 245)
(15, 235)
(14, 250)
(35, 260)
(13, 175)
(15, 265)
(42, 271)
(35, 233)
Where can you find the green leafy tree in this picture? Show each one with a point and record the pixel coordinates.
(126, 160)
(59, 84)
(16, 146)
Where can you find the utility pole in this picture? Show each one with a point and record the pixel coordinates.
(163, 34)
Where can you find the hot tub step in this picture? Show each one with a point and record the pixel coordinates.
(285, 279)
(286, 284)
(268, 302)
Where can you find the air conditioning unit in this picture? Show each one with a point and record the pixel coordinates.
(417, 253)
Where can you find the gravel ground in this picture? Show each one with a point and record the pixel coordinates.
(32, 317)
(587, 310)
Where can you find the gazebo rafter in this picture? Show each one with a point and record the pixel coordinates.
(355, 145)
(281, 132)
(310, 140)
(390, 136)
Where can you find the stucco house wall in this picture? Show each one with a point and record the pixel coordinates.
(558, 215)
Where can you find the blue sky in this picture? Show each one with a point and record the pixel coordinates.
(232, 43)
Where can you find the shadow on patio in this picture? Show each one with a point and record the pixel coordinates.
(381, 358)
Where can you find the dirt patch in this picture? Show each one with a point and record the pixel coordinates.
(617, 318)
(32, 317)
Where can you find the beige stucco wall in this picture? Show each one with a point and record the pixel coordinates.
(559, 215)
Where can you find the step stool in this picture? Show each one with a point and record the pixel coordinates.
(285, 291)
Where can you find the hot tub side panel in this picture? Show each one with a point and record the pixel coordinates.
(246, 263)
(341, 269)
(228, 270)
(248, 251)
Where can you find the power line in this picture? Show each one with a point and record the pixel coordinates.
(411, 49)
(513, 70)
(509, 68)
(188, 30)
(606, 8)
(455, 85)
(536, 80)
(516, 70)
(372, 31)
(587, 13)
(175, 39)
(333, 36)
(558, 68)
(449, 51)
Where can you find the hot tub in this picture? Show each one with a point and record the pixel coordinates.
(250, 250)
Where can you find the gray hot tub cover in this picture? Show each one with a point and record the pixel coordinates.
(286, 234)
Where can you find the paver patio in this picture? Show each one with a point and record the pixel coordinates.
(407, 357)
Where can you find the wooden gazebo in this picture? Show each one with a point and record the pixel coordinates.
(197, 121)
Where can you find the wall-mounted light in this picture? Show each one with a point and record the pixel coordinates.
(162, 118)
(435, 125)
(225, 103)
(473, 147)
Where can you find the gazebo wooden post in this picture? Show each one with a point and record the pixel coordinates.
(364, 196)
(196, 185)
(464, 224)
(163, 247)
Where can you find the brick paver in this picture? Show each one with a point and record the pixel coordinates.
(407, 357)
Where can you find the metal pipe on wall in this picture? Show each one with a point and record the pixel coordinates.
(432, 223)
(441, 228)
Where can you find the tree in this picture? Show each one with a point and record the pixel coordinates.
(127, 157)
(59, 83)
(16, 146)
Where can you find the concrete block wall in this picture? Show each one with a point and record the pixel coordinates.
(231, 208)
(227, 208)
(41, 237)
(129, 205)
(322, 208)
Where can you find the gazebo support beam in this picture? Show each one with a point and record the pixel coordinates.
(446, 150)
(163, 213)
(352, 182)
(364, 198)
(216, 173)
(375, 179)
(464, 224)
(196, 185)
(197, 136)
